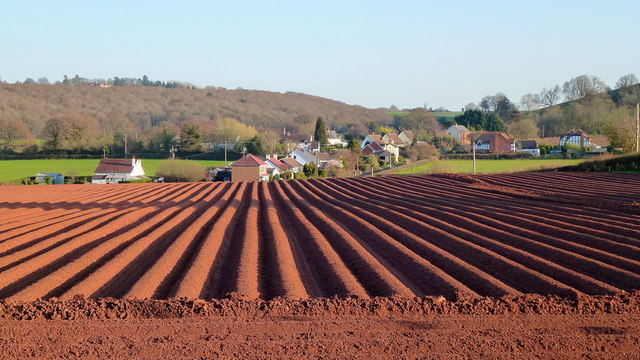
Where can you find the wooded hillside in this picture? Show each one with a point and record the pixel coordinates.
(143, 110)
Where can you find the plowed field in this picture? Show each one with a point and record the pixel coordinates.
(495, 235)
(543, 265)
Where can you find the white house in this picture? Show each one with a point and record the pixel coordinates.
(335, 140)
(371, 138)
(303, 157)
(113, 171)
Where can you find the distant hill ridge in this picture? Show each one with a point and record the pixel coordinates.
(146, 106)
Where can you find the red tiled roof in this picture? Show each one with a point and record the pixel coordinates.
(114, 166)
(279, 164)
(249, 160)
(375, 146)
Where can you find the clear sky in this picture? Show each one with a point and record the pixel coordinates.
(370, 53)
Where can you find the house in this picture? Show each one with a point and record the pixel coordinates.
(304, 157)
(249, 168)
(576, 138)
(312, 147)
(113, 171)
(323, 159)
(295, 142)
(494, 142)
(406, 136)
(528, 146)
(275, 166)
(54, 178)
(375, 148)
(371, 138)
(294, 165)
(460, 133)
(393, 138)
(335, 140)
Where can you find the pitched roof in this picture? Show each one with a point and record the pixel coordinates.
(123, 166)
(307, 156)
(291, 162)
(527, 144)
(576, 132)
(375, 137)
(323, 156)
(375, 146)
(394, 138)
(487, 137)
(249, 160)
(409, 134)
(279, 164)
(460, 127)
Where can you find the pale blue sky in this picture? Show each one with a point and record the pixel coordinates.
(370, 53)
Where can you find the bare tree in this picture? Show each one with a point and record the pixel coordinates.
(12, 131)
(583, 85)
(548, 97)
(627, 80)
(529, 102)
(470, 106)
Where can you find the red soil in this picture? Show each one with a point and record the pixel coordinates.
(369, 248)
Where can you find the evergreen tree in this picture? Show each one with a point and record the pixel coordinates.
(255, 146)
(320, 134)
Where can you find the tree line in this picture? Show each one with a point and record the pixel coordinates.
(589, 104)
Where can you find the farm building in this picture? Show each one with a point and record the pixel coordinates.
(55, 178)
(113, 171)
(249, 168)
(494, 142)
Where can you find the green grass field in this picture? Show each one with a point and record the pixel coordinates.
(486, 166)
(16, 169)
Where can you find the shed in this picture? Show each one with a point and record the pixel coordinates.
(56, 178)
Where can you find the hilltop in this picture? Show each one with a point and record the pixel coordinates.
(141, 107)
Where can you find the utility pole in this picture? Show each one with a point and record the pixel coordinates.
(474, 157)
(638, 127)
(125, 145)
(225, 153)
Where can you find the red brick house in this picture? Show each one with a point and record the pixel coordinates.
(249, 168)
(494, 142)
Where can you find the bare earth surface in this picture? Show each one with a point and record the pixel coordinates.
(523, 327)
(540, 265)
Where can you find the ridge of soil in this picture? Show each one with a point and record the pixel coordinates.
(111, 308)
